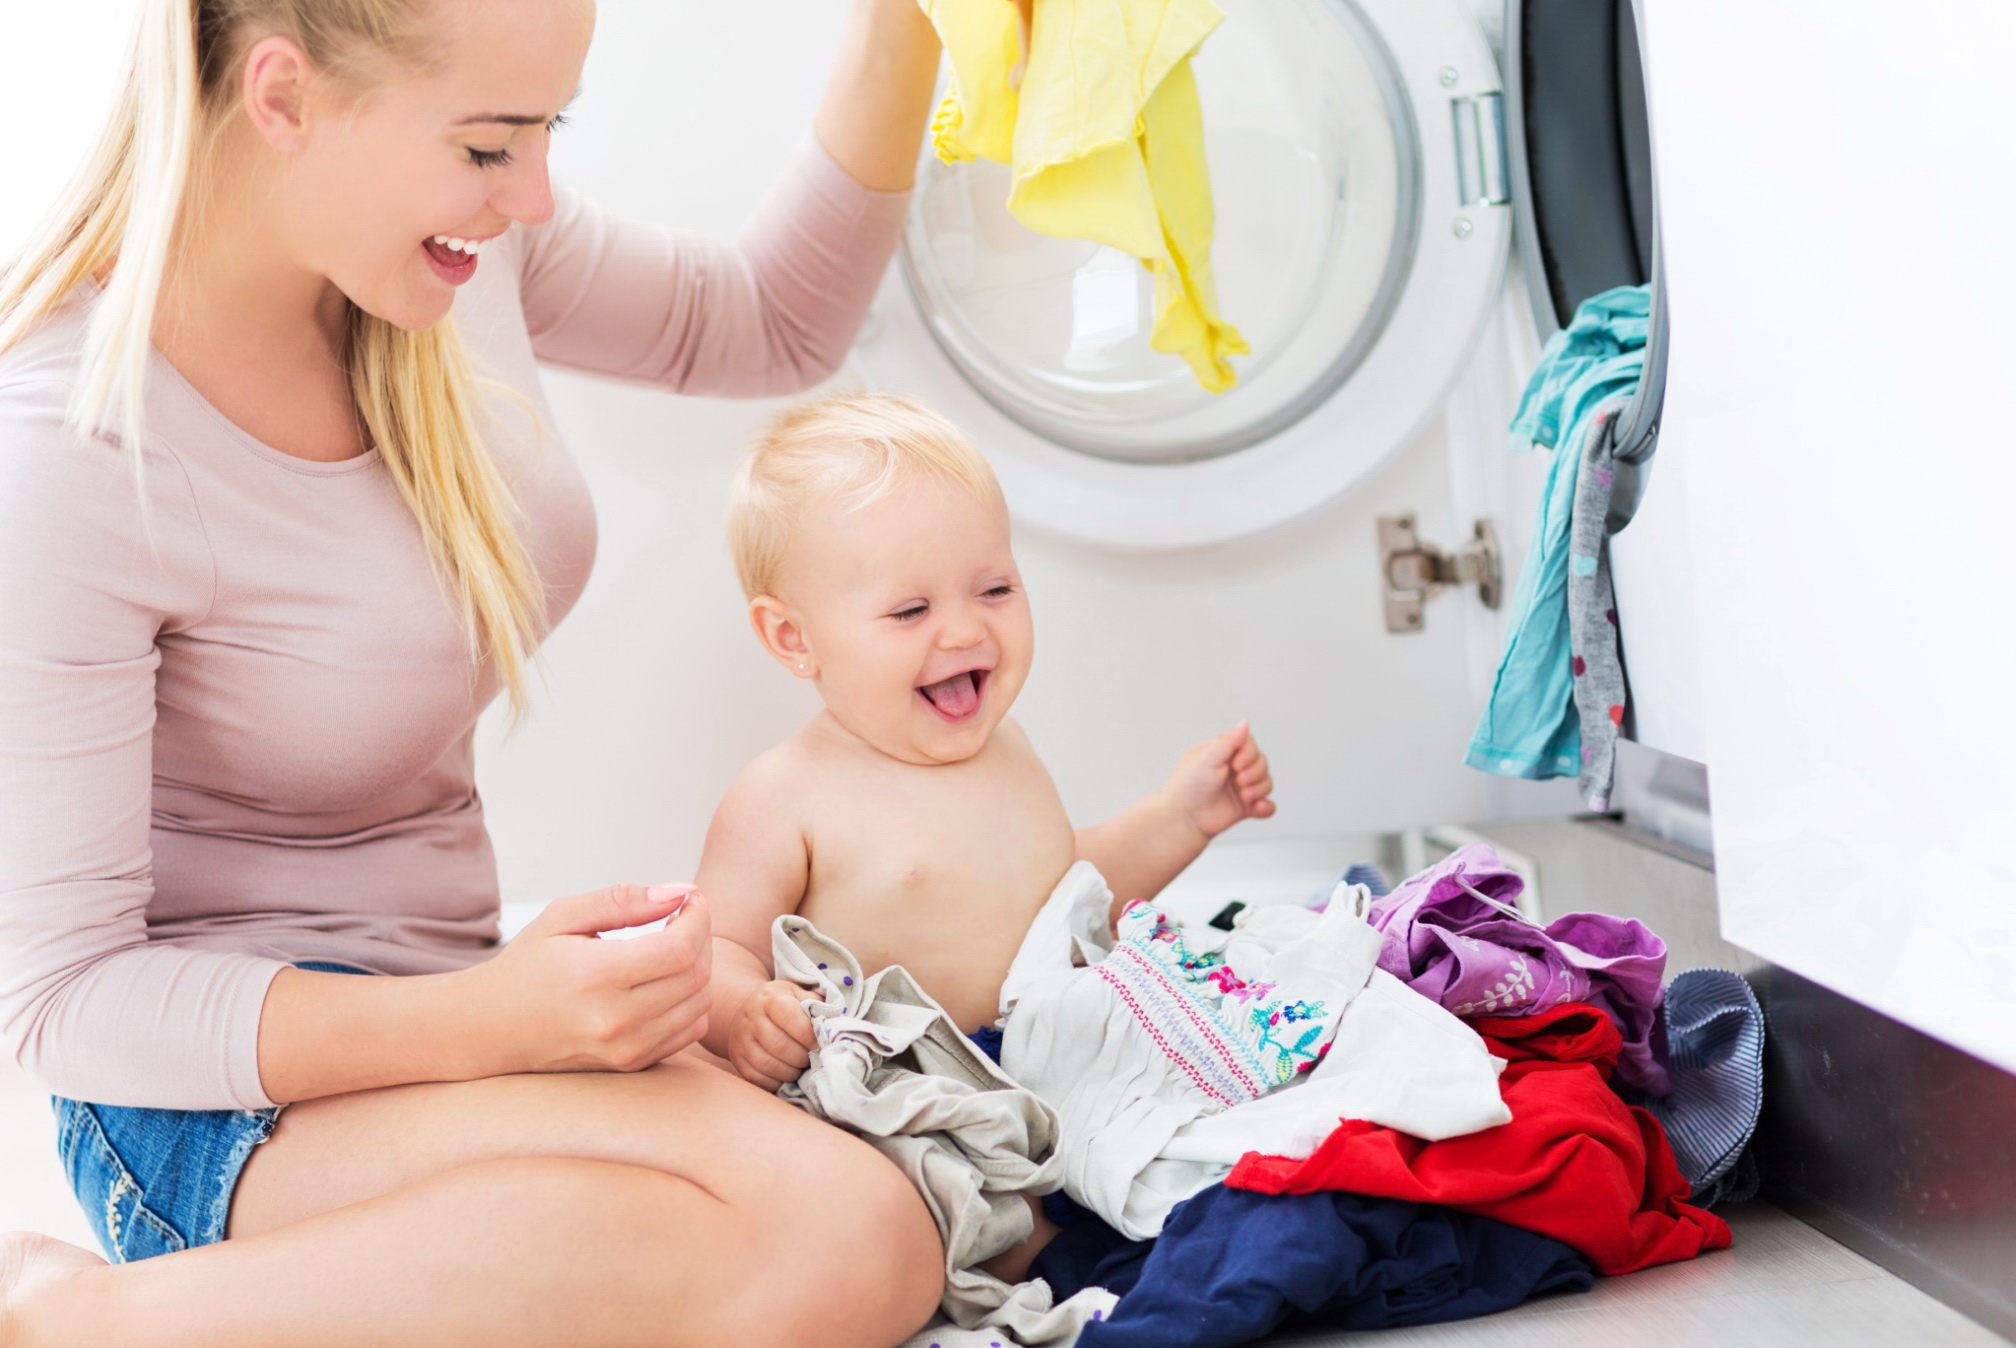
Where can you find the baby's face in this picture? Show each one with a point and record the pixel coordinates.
(913, 619)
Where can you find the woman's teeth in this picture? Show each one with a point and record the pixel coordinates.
(473, 247)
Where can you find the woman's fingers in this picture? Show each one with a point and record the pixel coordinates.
(684, 1026)
(686, 942)
(608, 909)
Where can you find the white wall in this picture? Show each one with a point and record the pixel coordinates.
(58, 67)
(656, 693)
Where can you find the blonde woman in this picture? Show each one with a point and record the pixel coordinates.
(274, 527)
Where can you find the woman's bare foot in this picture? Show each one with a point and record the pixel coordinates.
(28, 1263)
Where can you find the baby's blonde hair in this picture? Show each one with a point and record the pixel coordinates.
(847, 450)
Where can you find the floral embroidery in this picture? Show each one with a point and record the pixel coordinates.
(1235, 1039)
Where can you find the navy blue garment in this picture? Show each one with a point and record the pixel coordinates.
(1232, 1266)
(988, 1040)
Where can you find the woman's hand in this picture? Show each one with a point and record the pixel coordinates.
(771, 1041)
(560, 999)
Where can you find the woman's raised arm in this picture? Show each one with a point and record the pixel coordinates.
(878, 97)
(775, 311)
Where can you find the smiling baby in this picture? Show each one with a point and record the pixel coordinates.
(910, 819)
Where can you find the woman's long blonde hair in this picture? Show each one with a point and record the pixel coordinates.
(414, 391)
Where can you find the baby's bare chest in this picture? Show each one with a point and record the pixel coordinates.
(943, 881)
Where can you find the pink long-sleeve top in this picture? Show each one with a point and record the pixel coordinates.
(236, 719)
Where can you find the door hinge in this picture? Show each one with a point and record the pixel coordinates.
(1413, 572)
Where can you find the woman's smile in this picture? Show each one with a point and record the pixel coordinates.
(454, 259)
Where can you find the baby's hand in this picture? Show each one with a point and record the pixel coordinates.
(1221, 781)
(772, 1039)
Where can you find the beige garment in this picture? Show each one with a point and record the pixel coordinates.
(892, 1067)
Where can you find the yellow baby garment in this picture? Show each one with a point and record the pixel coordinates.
(1105, 138)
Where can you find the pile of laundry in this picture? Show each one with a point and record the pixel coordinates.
(1391, 1110)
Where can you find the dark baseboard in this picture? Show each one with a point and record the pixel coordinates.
(1897, 1145)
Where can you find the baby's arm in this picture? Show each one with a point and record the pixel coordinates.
(1216, 784)
(753, 871)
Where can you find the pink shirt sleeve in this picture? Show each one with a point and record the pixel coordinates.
(91, 583)
(774, 312)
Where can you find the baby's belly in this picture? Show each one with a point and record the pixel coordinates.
(961, 965)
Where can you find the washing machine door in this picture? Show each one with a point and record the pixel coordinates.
(1361, 187)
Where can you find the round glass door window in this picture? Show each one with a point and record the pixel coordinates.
(1313, 156)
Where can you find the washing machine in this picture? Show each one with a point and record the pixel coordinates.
(1373, 170)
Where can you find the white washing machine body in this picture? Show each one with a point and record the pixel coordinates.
(1363, 231)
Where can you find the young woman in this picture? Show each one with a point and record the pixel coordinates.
(274, 527)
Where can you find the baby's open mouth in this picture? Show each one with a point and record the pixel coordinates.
(958, 697)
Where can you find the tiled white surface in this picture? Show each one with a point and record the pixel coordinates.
(1784, 1283)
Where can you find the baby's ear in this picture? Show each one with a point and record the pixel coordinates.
(783, 636)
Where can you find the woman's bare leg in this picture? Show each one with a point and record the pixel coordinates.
(672, 1207)
(525, 1252)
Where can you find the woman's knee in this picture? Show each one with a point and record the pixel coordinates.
(868, 1267)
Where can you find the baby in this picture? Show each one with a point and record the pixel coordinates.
(910, 820)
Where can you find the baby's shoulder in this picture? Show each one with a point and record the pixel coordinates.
(775, 776)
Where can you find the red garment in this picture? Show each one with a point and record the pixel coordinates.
(1572, 1032)
(1576, 1163)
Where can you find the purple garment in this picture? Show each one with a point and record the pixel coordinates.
(1480, 960)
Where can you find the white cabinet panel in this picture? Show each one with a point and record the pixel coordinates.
(1838, 199)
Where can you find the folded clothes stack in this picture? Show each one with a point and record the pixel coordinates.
(1395, 1111)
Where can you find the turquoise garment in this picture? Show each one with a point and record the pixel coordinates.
(1530, 727)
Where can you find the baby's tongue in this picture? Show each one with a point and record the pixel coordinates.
(956, 696)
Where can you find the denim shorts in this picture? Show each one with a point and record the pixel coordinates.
(153, 1181)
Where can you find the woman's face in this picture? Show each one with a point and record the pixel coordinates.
(457, 152)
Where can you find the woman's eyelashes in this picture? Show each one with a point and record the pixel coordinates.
(499, 158)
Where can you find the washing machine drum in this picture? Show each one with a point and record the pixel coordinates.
(1362, 186)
